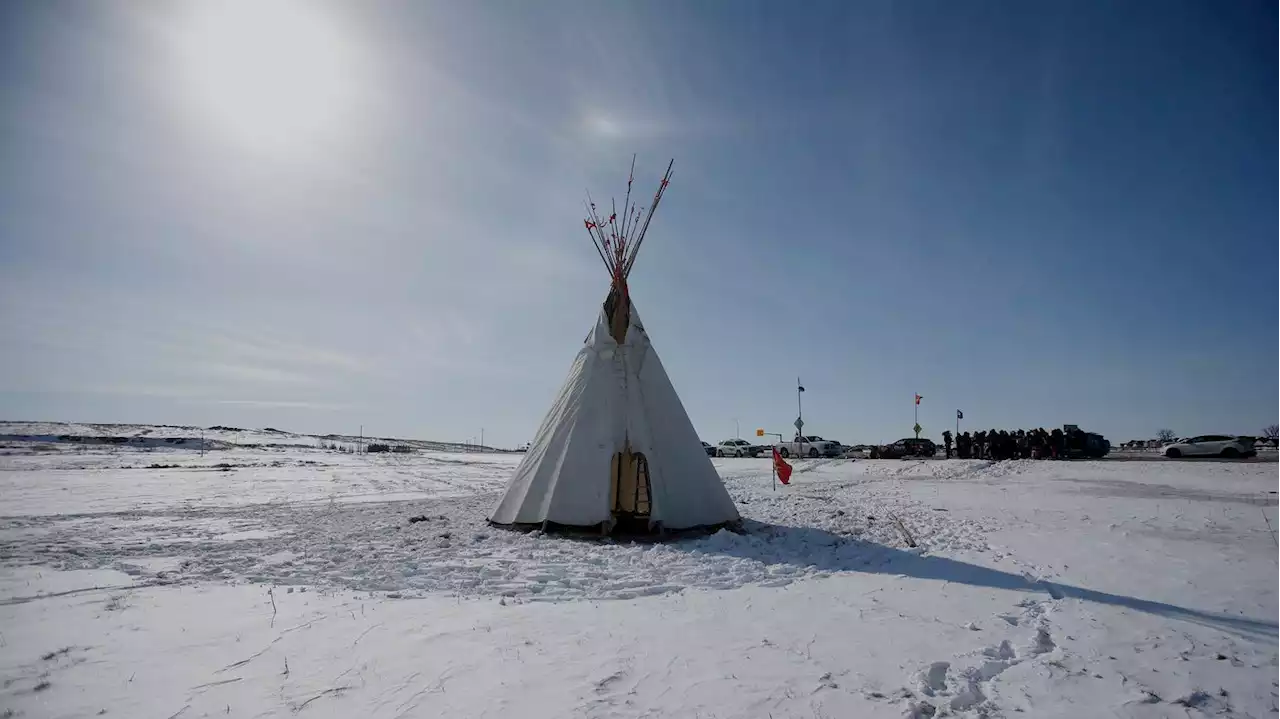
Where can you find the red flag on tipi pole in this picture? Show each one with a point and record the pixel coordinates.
(781, 466)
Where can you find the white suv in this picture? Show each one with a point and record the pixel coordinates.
(1211, 445)
(737, 448)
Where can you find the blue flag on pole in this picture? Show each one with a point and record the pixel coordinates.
(959, 414)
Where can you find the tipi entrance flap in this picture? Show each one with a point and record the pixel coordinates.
(631, 496)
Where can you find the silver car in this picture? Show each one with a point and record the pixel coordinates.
(1211, 445)
(737, 448)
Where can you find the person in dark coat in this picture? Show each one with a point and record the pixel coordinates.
(946, 442)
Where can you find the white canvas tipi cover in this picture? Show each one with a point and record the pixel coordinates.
(616, 399)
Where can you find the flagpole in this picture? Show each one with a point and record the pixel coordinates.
(774, 461)
(916, 428)
(799, 418)
(799, 405)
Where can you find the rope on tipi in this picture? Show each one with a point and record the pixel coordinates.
(617, 241)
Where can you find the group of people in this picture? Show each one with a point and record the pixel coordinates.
(1020, 444)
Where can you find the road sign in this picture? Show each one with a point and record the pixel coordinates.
(759, 432)
(917, 428)
(799, 424)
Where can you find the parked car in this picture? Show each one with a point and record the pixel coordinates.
(711, 451)
(1211, 445)
(859, 451)
(738, 448)
(809, 446)
(906, 447)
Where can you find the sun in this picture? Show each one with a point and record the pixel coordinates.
(271, 75)
(602, 125)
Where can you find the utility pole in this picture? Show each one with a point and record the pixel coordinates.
(360, 442)
(482, 439)
(737, 430)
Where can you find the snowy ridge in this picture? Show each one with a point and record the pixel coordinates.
(189, 436)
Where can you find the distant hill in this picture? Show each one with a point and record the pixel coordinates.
(217, 436)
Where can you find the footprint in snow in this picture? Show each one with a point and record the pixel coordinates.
(920, 710)
(1003, 651)
(1043, 643)
(934, 679)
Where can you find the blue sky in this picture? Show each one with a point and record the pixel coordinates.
(319, 215)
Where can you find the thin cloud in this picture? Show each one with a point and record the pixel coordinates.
(249, 347)
(241, 373)
(285, 404)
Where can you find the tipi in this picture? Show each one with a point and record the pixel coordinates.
(616, 451)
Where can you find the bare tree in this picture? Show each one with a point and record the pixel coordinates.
(1165, 435)
(1271, 432)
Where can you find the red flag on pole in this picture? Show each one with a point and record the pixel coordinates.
(918, 398)
(784, 469)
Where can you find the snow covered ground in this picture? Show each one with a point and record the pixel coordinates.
(287, 580)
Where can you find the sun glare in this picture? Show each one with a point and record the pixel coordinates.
(272, 75)
(602, 125)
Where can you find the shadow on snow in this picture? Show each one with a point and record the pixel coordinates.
(823, 550)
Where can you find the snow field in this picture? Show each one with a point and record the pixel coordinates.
(292, 582)
(256, 523)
